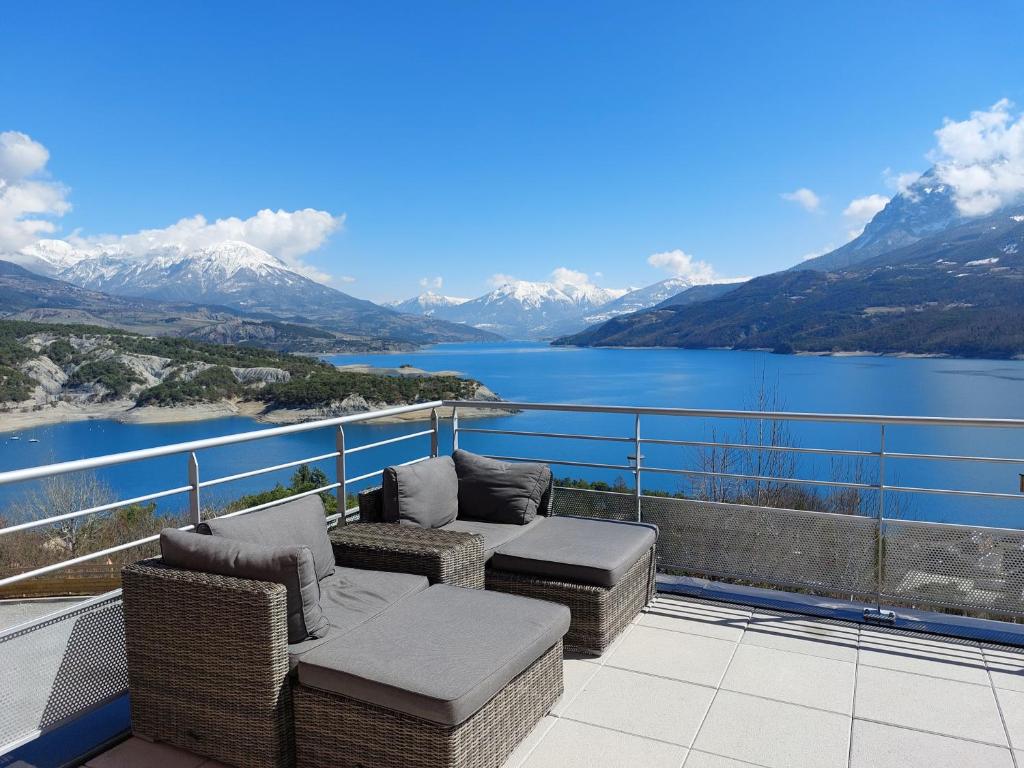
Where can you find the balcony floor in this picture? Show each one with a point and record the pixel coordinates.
(707, 685)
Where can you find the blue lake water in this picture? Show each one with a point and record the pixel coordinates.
(646, 377)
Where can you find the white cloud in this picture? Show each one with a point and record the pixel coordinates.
(861, 210)
(982, 158)
(563, 276)
(681, 264)
(498, 279)
(432, 283)
(28, 200)
(285, 234)
(804, 197)
(900, 182)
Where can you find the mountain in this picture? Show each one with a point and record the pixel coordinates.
(25, 295)
(958, 291)
(525, 310)
(925, 208)
(656, 294)
(244, 277)
(426, 304)
(699, 293)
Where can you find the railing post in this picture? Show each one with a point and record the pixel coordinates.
(455, 429)
(433, 432)
(339, 472)
(195, 511)
(877, 614)
(636, 471)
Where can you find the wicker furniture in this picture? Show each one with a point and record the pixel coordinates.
(444, 557)
(335, 731)
(453, 679)
(223, 692)
(599, 614)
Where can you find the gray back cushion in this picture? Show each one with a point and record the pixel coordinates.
(424, 494)
(289, 565)
(299, 523)
(499, 491)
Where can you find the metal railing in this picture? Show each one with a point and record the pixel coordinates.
(865, 555)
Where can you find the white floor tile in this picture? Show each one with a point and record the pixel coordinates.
(653, 707)
(813, 681)
(946, 707)
(576, 745)
(923, 656)
(696, 618)
(773, 733)
(884, 746)
(802, 635)
(576, 674)
(681, 656)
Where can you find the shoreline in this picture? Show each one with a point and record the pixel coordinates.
(125, 412)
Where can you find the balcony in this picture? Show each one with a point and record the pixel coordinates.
(780, 636)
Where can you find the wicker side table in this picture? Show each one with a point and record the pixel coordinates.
(444, 557)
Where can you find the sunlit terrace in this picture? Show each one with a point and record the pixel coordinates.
(845, 629)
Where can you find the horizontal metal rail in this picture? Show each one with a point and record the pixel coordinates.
(763, 478)
(389, 441)
(948, 457)
(94, 510)
(561, 435)
(277, 502)
(841, 418)
(98, 462)
(754, 447)
(83, 559)
(563, 463)
(267, 470)
(379, 472)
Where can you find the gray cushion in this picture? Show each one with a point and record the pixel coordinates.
(351, 596)
(439, 655)
(291, 566)
(499, 491)
(299, 523)
(495, 534)
(424, 494)
(577, 549)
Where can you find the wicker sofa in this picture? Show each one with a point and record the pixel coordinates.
(216, 667)
(602, 570)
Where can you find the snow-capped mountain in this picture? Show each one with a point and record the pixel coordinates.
(239, 275)
(426, 304)
(530, 310)
(641, 298)
(925, 208)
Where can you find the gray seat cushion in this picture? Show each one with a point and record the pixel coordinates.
(584, 550)
(351, 596)
(424, 494)
(299, 523)
(439, 655)
(499, 491)
(289, 565)
(495, 534)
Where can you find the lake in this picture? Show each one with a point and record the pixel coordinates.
(644, 377)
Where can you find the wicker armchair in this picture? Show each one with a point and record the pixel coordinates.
(208, 664)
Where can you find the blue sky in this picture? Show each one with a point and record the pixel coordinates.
(460, 140)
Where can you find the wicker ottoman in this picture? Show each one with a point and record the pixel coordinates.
(603, 570)
(455, 678)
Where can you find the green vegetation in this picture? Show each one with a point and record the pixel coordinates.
(325, 386)
(305, 478)
(114, 375)
(14, 385)
(312, 383)
(216, 383)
